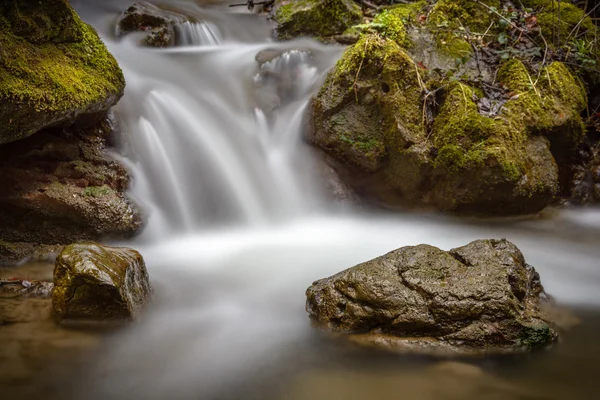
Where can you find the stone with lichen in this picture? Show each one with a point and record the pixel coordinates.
(479, 298)
(99, 282)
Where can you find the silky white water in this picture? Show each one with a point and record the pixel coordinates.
(238, 224)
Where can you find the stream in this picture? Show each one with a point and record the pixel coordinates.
(238, 226)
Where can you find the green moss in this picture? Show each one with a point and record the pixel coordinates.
(553, 105)
(450, 20)
(54, 79)
(549, 19)
(97, 191)
(379, 86)
(391, 23)
(467, 140)
(7, 247)
(537, 336)
(321, 18)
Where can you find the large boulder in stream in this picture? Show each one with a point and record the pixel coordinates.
(479, 298)
(99, 282)
(411, 120)
(54, 69)
(370, 116)
(319, 18)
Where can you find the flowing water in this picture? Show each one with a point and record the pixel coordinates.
(238, 226)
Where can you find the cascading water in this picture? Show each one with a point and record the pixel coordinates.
(237, 226)
(197, 34)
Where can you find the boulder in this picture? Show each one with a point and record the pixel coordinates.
(479, 298)
(404, 139)
(158, 24)
(54, 68)
(319, 18)
(99, 282)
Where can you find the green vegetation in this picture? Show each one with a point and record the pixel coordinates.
(391, 23)
(536, 336)
(320, 18)
(97, 191)
(44, 82)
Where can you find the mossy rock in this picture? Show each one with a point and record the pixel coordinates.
(319, 18)
(482, 298)
(53, 68)
(448, 20)
(369, 115)
(94, 282)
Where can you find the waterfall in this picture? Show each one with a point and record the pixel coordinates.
(197, 34)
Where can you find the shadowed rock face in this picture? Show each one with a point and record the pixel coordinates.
(481, 297)
(60, 187)
(99, 282)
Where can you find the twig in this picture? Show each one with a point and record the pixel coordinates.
(576, 27)
(370, 5)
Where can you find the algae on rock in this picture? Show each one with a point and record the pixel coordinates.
(53, 68)
(320, 18)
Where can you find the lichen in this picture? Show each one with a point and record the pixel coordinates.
(320, 18)
(53, 80)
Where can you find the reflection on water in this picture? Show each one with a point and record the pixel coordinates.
(238, 229)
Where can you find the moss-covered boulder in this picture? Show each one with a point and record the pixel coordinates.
(373, 116)
(319, 18)
(53, 68)
(479, 298)
(99, 282)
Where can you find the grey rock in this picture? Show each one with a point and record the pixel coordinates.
(481, 297)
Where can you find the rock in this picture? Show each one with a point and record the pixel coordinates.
(479, 298)
(99, 282)
(158, 23)
(59, 187)
(54, 68)
(25, 288)
(584, 183)
(320, 18)
(396, 140)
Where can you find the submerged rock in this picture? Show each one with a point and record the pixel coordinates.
(320, 18)
(99, 282)
(54, 68)
(479, 298)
